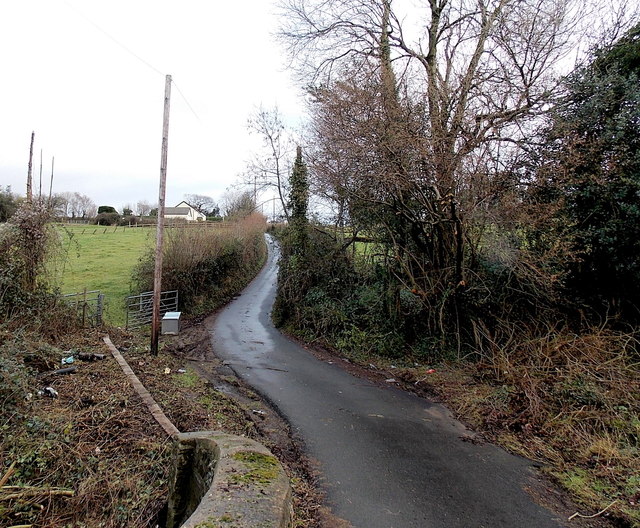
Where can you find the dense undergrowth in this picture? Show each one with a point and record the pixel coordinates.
(207, 266)
(562, 394)
(92, 455)
(81, 449)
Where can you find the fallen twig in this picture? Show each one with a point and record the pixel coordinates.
(594, 515)
(37, 492)
(8, 473)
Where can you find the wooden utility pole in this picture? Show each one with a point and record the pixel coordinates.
(53, 159)
(29, 179)
(40, 188)
(157, 274)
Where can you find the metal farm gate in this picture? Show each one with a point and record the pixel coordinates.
(88, 305)
(140, 307)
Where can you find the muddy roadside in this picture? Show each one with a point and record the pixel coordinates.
(193, 349)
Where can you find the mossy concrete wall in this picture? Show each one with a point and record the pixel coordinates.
(221, 480)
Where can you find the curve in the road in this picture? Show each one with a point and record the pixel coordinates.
(388, 459)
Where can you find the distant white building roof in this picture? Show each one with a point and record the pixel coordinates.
(178, 211)
(185, 211)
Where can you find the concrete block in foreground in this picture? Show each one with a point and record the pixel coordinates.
(226, 480)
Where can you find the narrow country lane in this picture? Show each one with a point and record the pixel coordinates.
(388, 459)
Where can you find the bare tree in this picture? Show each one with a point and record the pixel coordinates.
(205, 204)
(143, 208)
(61, 204)
(238, 204)
(82, 206)
(270, 168)
(419, 115)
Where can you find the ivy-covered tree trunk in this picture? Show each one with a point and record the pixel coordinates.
(294, 277)
(298, 204)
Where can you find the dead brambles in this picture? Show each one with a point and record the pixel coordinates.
(571, 402)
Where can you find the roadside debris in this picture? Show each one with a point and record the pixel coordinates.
(90, 356)
(430, 371)
(68, 370)
(49, 392)
(591, 516)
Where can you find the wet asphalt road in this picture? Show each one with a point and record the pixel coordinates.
(388, 459)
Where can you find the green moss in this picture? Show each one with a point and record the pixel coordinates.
(261, 469)
(219, 522)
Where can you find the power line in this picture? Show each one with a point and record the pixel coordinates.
(133, 54)
(108, 35)
(186, 101)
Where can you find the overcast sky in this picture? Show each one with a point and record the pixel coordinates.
(98, 109)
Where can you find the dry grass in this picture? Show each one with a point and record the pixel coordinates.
(569, 401)
(96, 440)
(207, 265)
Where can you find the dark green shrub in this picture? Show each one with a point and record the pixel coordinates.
(107, 219)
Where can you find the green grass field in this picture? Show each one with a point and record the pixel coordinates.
(102, 258)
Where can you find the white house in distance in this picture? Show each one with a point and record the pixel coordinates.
(184, 211)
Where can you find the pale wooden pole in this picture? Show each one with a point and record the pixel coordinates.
(157, 274)
(53, 159)
(40, 188)
(29, 179)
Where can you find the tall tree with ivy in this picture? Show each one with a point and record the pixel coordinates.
(298, 205)
(295, 275)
